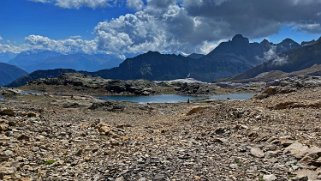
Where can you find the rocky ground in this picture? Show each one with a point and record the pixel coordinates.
(274, 136)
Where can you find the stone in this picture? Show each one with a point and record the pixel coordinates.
(71, 105)
(220, 140)
(233, 166)
(8, 153)
(159, 177)
(104, 128)
(142, 179)
(269, 177)
(6, 170)
(195, 110)
(297, 150)
(303, 178)
(23, 137)
(256, 152)
(120, 179)
(286, 141)
(7, 112)
(312, 157)
(305, 175)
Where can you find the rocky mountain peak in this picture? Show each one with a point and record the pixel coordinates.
(265, 42)
(240, 39)
(289, 41)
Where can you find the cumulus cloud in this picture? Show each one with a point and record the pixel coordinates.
(70, 45)
(76, 4)
(135, 4)
(162, 26)
(9, 47)
(198, 25)
(67, 46)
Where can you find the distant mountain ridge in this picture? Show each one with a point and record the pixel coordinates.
(9, 73)
(43, 60)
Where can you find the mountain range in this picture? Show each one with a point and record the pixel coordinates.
(237, 58)
(227, 59)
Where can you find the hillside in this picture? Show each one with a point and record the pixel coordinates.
(9, 73)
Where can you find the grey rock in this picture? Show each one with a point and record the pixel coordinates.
(256, 152)
(269, 177)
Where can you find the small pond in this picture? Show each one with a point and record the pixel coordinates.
(173, 98)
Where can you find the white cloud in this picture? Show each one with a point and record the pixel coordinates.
(70, 45)
(76, 4)
(135, 4)
(276, 59)
(8, 47)
(167, 29)
(207, 47)
(131, 33)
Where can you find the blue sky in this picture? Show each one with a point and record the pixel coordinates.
(125, 27)
(20, 18)
(290, 32)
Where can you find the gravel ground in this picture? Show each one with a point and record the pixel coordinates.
(58, 138)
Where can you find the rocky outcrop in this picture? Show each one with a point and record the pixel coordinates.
(107, 106)
(82, 81)
(193, 88)
(288, 85)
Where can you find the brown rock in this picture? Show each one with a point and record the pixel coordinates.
(195, 110)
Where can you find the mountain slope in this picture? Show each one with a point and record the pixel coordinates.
(9, 73)
(293, 60)
(228, 59)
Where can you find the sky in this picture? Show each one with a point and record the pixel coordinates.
(130, 27)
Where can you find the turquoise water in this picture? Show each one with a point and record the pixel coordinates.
(173, 98)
